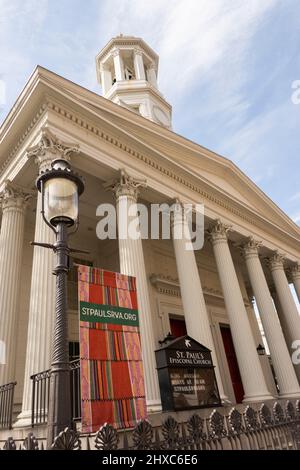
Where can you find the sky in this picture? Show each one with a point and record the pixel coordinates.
(226, 66)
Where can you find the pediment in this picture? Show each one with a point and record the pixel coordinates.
(211, 171)
(215, 171)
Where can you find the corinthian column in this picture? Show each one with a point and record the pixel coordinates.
(195, 312)
(289, 308)
(295, 273)
(132, 263)
(13, 200)
(118, 65)
(286, 377)
(250, 369)
(42, 291)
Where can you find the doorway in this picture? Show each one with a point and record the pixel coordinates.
(232, 364)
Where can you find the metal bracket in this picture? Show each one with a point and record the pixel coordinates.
(52, 247)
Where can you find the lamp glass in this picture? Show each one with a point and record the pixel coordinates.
(61, 201)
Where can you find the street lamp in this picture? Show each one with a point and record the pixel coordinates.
(60, 188)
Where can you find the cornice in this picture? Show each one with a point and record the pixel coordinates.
(122, 87)
(80, 95)
(166, 285)
(150, 162)
(83, 123)
(11, 154)
(125, 41)
(169, 285)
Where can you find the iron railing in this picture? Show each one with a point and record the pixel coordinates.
(276, 428)
(40, 394)
(40, 397)
(75, 390)
(6, 405)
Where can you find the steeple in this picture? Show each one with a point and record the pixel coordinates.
(127, 70)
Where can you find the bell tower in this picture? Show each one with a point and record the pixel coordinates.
(127, 70)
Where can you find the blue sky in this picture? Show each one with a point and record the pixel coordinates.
(226, 66)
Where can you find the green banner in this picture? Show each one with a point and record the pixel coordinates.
(108, 314)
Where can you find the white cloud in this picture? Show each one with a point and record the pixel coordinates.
(20, 24)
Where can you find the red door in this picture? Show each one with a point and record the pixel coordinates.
(177, 327)
(232, 364)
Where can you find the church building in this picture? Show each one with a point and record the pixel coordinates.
(124, 146)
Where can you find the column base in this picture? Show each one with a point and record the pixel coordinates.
(225, 400)
(153, 406)
(257, 398)
(295, 394)
(23, 420)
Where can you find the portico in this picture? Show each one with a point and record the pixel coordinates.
(209, 290)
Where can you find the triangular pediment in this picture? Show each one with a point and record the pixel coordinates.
(217, 175)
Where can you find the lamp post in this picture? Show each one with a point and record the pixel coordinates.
(60, 188)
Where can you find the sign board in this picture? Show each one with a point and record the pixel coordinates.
(186, 375)
(112, 378)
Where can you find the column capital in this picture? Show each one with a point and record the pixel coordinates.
(250, 248)
(115, 52)
(138, 51)
(276, 261)
(49, 148)
(152, 66)
(218, 232)
(14, 197)
(295, 271)
(103, 67)
(125, 185)
(179, 212)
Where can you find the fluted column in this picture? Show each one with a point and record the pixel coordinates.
(195, 312)
(13, 200)
(106, 78)
(151, 74)
(118, 65)
(139, 65)
(286, 377)
(250, 369)
(289, 308)
(132, 264)
(295, 273)
(42, 291)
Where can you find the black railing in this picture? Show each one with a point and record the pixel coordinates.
(40, 397)
(6, 405)
(75, 390)
(244, 429)
(40, 394)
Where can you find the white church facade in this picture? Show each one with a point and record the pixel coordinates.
(251, 249)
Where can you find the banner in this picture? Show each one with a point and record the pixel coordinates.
(112, 378)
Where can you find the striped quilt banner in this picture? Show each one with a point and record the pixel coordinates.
(112, 378)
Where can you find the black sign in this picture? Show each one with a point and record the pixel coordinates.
(186, 375)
